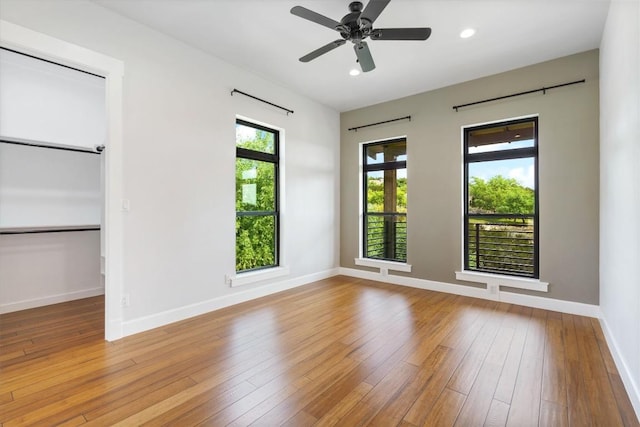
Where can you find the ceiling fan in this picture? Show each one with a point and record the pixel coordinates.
(355, 27)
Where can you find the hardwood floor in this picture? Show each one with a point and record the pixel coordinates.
(340, 351)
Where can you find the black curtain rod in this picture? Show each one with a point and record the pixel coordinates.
(379, 123)
(261, 100)
(99, 149)
(542, 89)
(52, 230)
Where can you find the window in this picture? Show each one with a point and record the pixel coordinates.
(257, 215)
(385, 200)
(501, 194)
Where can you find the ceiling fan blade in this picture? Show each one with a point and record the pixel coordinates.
(374, 9)
(401, 33)
(321, 51)
(364, 57)
(312, 16)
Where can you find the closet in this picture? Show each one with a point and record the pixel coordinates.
(52, 131)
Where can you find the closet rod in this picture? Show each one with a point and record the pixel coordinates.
(52, 62)
(542, 89)
(51, 230)
(97, 150)
(261, 100)
(379, 123)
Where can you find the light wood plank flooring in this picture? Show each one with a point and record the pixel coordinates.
(340, 351)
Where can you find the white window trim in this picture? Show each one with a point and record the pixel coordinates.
(494, 281)
(383, 265)
(256, 276)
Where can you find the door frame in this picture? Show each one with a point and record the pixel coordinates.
(31, 42)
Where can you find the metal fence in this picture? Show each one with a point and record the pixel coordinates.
(501, 248)
(386, 236)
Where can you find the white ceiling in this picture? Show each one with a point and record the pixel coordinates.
(262, 36)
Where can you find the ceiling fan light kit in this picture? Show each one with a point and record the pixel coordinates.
(355, 27)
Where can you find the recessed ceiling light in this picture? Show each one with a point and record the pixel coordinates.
(354, 72)
(465, 34)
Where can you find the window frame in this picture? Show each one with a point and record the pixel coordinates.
(510, 154)
(395, 165)
(244, 153)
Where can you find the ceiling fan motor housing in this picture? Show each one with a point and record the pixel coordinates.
(354, 28)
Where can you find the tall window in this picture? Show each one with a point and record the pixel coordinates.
(257, 217)
(501, 193)
(385, 201)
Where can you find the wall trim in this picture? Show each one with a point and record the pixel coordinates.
(632, 388)
(51, 299)
(383, 265)
(145, 323)
(563, 306)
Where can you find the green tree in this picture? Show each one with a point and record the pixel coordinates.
(375, 194)
(500, 195)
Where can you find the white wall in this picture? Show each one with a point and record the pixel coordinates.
(47, 103)
(179, 159)
(42, 187)
(620, 189)
(41, 269)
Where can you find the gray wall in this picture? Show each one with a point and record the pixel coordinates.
(568, 170)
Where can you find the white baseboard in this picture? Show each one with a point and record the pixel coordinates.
(142, 324)
(632, 387)
(50, 299)
(569, 307)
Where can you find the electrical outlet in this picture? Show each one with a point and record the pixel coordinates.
(125, 300)
(493, 288)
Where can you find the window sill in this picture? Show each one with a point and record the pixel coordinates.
(250, 277)
(384, 266)
(494, 281)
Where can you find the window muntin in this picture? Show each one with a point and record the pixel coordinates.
(501, 208)
(257, 213)
(385, 200)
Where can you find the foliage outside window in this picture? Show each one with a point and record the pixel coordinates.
(501, 209)
(257, 216)
(385, 200)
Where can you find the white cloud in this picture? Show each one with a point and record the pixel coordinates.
(525, 178)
